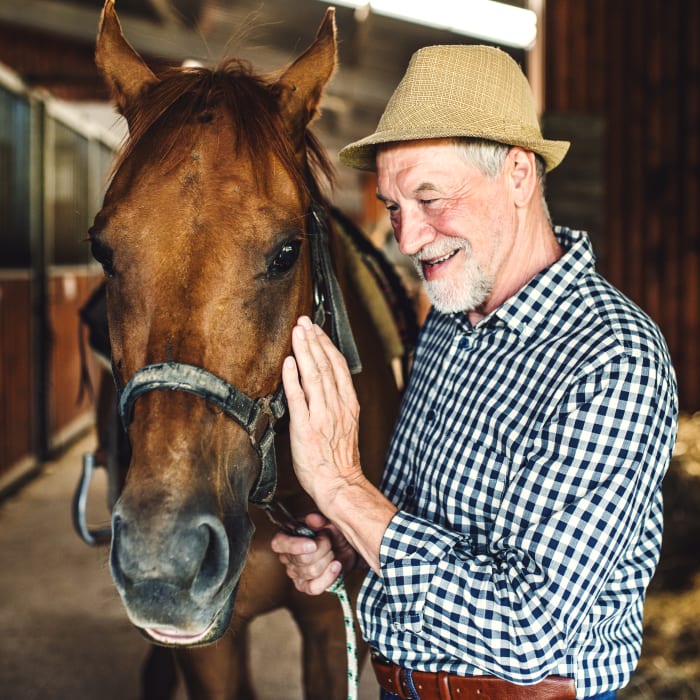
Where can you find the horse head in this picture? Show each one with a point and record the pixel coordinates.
(204, 240)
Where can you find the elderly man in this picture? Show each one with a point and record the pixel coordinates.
(519, 518)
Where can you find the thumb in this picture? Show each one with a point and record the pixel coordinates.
(316, 521)
(296, 399)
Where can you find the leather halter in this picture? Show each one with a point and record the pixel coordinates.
(256, 416)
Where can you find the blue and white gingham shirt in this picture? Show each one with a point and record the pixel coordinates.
(527, 464)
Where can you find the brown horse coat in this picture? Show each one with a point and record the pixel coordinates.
(203, 237)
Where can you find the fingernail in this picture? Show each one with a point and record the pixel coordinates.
(335, 567)
(305, 321)
(309, 547)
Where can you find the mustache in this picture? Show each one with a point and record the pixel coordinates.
(439, 249)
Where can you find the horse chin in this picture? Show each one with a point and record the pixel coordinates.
(172, 637)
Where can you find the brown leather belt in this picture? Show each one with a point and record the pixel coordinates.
(444, 686)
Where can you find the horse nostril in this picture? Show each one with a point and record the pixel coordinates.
(214, 564)
(113, 553)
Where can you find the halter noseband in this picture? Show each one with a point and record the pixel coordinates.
(256, 416)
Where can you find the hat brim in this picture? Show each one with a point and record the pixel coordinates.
(361, 154)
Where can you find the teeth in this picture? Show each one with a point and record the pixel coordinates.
(439, 260)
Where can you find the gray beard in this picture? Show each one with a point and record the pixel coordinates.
(465, 293)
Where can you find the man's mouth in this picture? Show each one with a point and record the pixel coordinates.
(430, 267)
(437, 261)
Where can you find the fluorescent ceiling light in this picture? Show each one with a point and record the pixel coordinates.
(483, 19)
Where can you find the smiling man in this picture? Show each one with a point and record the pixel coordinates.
(475, 236)
(519, 519)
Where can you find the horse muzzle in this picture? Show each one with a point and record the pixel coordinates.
(176, 574)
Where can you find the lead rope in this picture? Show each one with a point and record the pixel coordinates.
(338, 588)
(285, 521)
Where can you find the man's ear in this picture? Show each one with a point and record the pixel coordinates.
(522, 171)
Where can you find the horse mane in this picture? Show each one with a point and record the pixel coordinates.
(190, 94)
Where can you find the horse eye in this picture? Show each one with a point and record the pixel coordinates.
(103, 254)
(284, 259)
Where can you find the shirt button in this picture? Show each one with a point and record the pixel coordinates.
(464, 343)
(430, 416)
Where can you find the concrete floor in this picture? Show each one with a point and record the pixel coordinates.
(63, 632)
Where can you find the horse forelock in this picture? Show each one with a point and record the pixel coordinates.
(188, 96)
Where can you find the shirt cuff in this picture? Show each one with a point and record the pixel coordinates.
(409, 556)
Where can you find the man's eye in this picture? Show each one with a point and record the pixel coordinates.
(285, 258)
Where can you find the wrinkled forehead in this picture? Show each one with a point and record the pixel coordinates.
(412, 167)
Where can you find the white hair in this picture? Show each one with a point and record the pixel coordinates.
(490, 156)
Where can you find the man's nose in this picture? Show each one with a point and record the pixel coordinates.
(414, 232)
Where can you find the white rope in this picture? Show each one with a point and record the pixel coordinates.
(339, 589)
(283, 519)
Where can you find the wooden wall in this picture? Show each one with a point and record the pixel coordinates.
(67, 291)
(16, 380)
(25, 406)
(634, 65)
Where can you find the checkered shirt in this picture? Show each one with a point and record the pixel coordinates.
(527, 465)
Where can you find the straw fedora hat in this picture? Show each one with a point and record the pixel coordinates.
(462, 90)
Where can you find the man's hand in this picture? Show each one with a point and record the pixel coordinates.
(323, 433)
(323, 414)
(314, 564)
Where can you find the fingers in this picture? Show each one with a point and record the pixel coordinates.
(338, 364)
(296, 399)
(323, 414)
(292, 547)
(320, 584)
(316, 521)
(323, 369)
(315, 368)
(309, 563)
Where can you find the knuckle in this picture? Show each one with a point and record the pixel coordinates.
(317, 375)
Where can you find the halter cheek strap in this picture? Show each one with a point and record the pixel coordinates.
(325, 278)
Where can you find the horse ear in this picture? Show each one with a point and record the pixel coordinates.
(120, 65)
(303, 82)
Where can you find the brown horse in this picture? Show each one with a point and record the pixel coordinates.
(211, 237)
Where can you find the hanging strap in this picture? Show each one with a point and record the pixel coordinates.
(325, 279)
